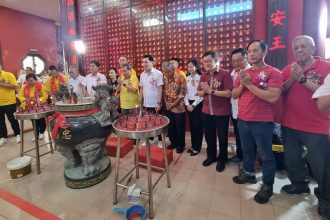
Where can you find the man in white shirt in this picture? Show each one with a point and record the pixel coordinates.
(22, 78)
(322, 94)
(77, 82)
(151, 85)
(239, 62)
(94, 78)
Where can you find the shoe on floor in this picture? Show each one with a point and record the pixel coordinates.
(234, 161)
(194, 152)
(190, 150)
(292, 189)
(208, 162)
(221, 166)
(41, 136)
(324, 211)
(18, 138)
(179, 150)
(243, 178)
(264, 194)
(3, 141)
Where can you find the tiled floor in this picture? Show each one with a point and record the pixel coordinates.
(197, 193)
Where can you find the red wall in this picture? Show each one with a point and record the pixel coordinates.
(295, 23)
(19, 32)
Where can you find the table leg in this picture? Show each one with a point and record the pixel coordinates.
(36, 145)
(115, 188)
(166, 161)
(137, 146)
(22, 137)
(151, 206)
(50, 138)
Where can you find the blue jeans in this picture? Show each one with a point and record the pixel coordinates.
(127, 112)
(258, 134)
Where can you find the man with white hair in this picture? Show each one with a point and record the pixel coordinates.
(305, 126)
(123, 61)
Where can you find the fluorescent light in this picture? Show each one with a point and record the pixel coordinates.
(79, 46)
(151, 22)
(244, 6)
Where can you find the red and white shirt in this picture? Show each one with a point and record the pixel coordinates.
(250, 106)
(219, 81)
(300, 109)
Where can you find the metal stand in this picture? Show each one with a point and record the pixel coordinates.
(34, 117)
(138, 135)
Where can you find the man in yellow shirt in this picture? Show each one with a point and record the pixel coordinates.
(122, 61)
(30, 94)
(8, 86)
(175, 62)
(129, 90)
(56, 78)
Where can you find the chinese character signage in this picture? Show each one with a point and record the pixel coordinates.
(277, 33)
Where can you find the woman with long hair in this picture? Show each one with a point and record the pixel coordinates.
(194, 105)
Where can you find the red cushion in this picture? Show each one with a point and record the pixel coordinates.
(125, 147)
(157, 158)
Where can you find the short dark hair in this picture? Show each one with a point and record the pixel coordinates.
(31, 75)
(150, 58)
(52, 67)
(263, 44)
(242, 51)
(211, 53)
(97, 63)
(195, 63)
(175, 59)
(114, 68)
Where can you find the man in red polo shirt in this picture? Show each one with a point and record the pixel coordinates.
(306, 126)
(215, 87)
(257, 88)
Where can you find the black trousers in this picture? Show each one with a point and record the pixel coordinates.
(318, 157)
(196, 126)
(9, 111)
(213, 126)
(41, 125)
(239, 152)
(176, 129)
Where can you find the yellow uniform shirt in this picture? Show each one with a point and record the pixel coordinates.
(7, 96)
(128, 99)
(48, 86)
(22, 98)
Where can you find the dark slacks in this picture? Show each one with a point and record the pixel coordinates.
(9, 111)
(213, 126)
(196, 126)
(318, 157)
(176, 129)
(239, 151)
(41, 125)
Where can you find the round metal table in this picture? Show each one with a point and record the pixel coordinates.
(141, 134)
(21, 116)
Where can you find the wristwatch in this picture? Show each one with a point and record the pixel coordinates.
(303, 80)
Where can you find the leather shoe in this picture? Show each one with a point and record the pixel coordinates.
(179, 150)
(208, 162)
(220, 166)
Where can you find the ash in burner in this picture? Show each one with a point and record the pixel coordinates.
(142, 120)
